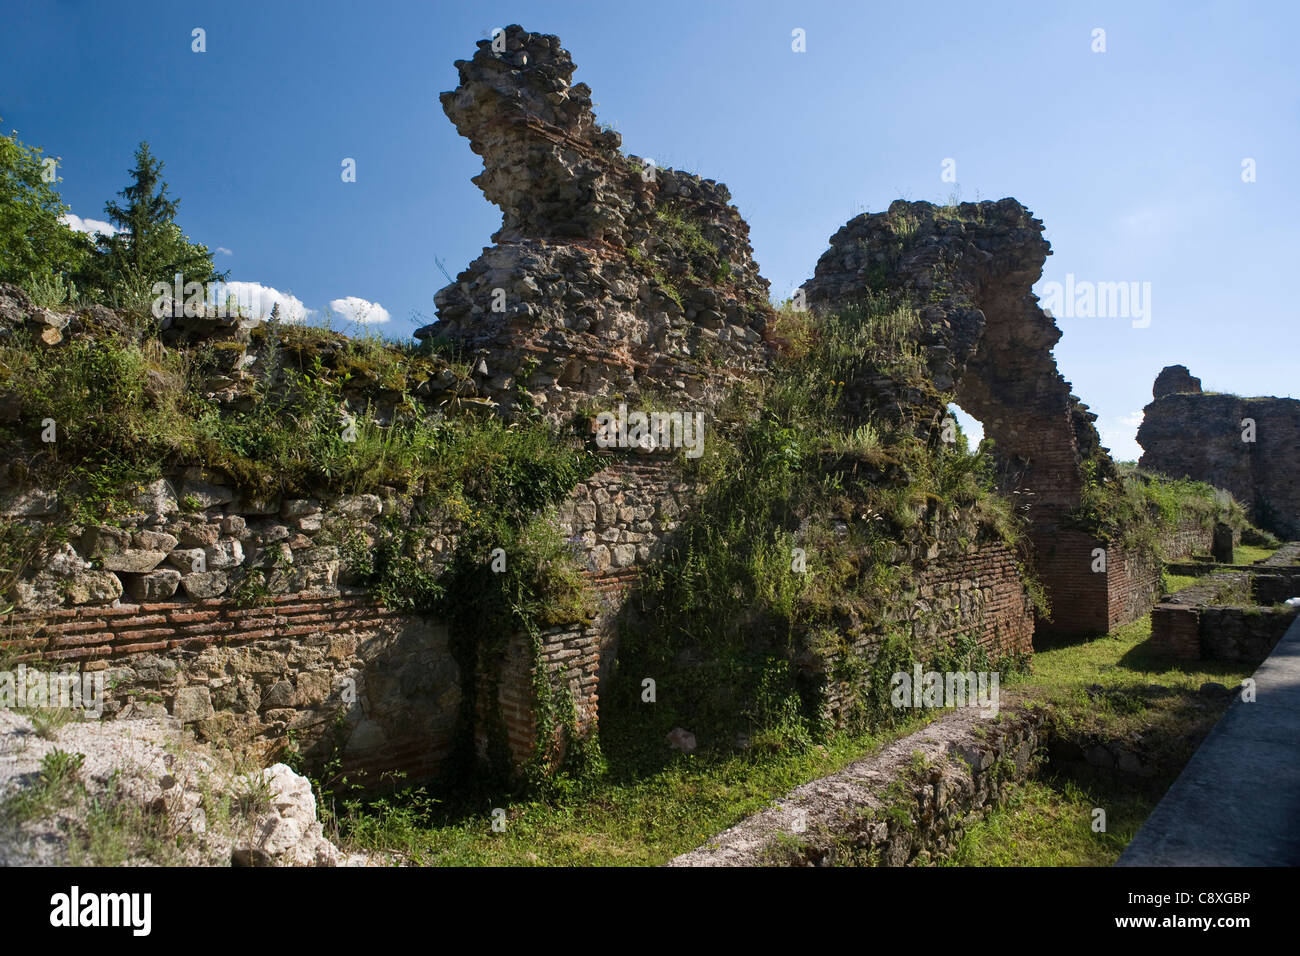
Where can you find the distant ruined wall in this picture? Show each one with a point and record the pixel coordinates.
(1186, 432)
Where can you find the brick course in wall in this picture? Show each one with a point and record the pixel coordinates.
(572, 660)
(979, 591)
(338, 670)
(1095, 602)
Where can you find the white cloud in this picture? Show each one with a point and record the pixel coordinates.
(1146, 222)
(257, 300)
(360, 311)
(91, 226)
(222, 250)
(1120, 436)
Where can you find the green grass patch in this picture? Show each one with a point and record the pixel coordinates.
(1107, 688)
(1048, 822)
(1251, 554)
(1120, 660)
(626, 820)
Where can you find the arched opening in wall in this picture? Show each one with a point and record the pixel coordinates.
(971, 435)
(969, 429)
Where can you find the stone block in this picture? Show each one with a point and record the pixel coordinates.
(133, 561)
(94, 587)
(154, 586)
(205, 584)
(191, 704)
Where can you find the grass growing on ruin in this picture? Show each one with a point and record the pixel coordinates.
(638, 821)
(1173, 583)
(806, 504)
(1108, 689)
(1136, 509)
(1048, 822)
(122, 409)
(725, 621)
(1250, 553)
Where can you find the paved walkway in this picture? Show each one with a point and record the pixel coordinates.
(1237, 802)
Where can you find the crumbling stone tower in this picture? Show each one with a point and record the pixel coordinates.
(610, 277)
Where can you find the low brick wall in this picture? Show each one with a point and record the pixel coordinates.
(1176, 631)
(1242, 633)
(1085, 601)
(1220, 617)
(979, 592)
(1276, 586)
(340, 672)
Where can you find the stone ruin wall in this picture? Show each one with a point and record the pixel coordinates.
(1186, 432)
(334, 669)
(621, 283)
(125, 600)
(351, 678)
(611, 279)
(970, 269)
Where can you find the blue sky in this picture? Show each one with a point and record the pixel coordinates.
(1132, 156)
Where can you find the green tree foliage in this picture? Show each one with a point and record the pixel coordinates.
(35, 245)
(149, 246)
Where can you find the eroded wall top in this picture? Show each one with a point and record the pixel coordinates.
(969, 269)
(611, 277)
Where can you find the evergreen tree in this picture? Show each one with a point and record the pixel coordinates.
(149, 246)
